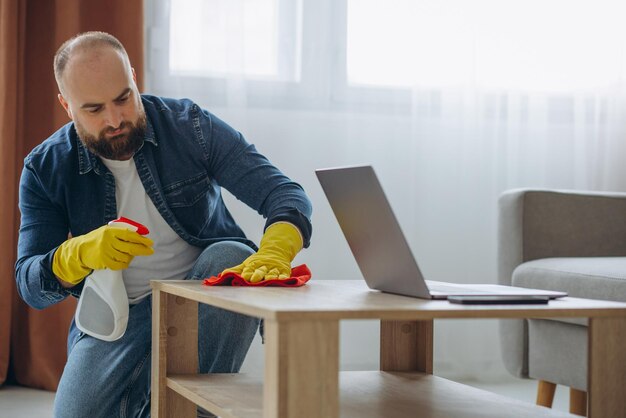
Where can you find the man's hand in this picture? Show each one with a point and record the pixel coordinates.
(106, 247)
(279, 245)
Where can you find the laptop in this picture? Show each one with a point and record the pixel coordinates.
(379, 246)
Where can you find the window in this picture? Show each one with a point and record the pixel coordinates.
(199, 48)
(325, 53)
(218, 38)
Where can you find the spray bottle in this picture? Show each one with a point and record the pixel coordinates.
(102, 310)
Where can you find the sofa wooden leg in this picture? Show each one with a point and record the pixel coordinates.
(578, 402)
(545, 393)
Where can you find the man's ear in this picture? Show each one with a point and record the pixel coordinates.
(65, 105)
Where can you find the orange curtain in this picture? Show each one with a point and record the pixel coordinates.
(33, 343)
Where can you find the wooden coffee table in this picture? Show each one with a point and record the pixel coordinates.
(302, 377)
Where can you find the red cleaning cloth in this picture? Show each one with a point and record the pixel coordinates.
(299, 276)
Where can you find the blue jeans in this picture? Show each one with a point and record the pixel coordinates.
(112, 379)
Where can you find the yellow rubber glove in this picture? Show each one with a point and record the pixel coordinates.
(106, 247)
(279, 246)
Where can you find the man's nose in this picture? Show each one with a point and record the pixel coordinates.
(114, 118)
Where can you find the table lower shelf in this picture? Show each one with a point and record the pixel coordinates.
(362, 394)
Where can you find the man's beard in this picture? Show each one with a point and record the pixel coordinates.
(119, 147)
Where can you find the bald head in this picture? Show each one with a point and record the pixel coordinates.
(87, 48)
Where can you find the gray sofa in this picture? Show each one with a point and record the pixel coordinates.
(559, 240)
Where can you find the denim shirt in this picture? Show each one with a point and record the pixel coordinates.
(188, 154)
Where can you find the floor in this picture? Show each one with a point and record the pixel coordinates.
(20, 402)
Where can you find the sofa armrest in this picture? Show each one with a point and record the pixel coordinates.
(536, 224)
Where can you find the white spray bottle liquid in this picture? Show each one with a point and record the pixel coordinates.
(102, 310)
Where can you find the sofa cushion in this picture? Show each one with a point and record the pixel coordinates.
(582, 277)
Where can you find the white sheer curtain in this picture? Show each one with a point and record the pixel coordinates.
(452, 101)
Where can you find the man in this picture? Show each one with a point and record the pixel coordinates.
(160, 162)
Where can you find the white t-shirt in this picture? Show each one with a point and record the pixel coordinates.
(173, 258)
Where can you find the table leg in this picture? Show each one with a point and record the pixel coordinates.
(174, 350)
(406, 346)
(301, 369)
(606, 367)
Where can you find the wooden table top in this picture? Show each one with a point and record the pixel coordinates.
(352, 299)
